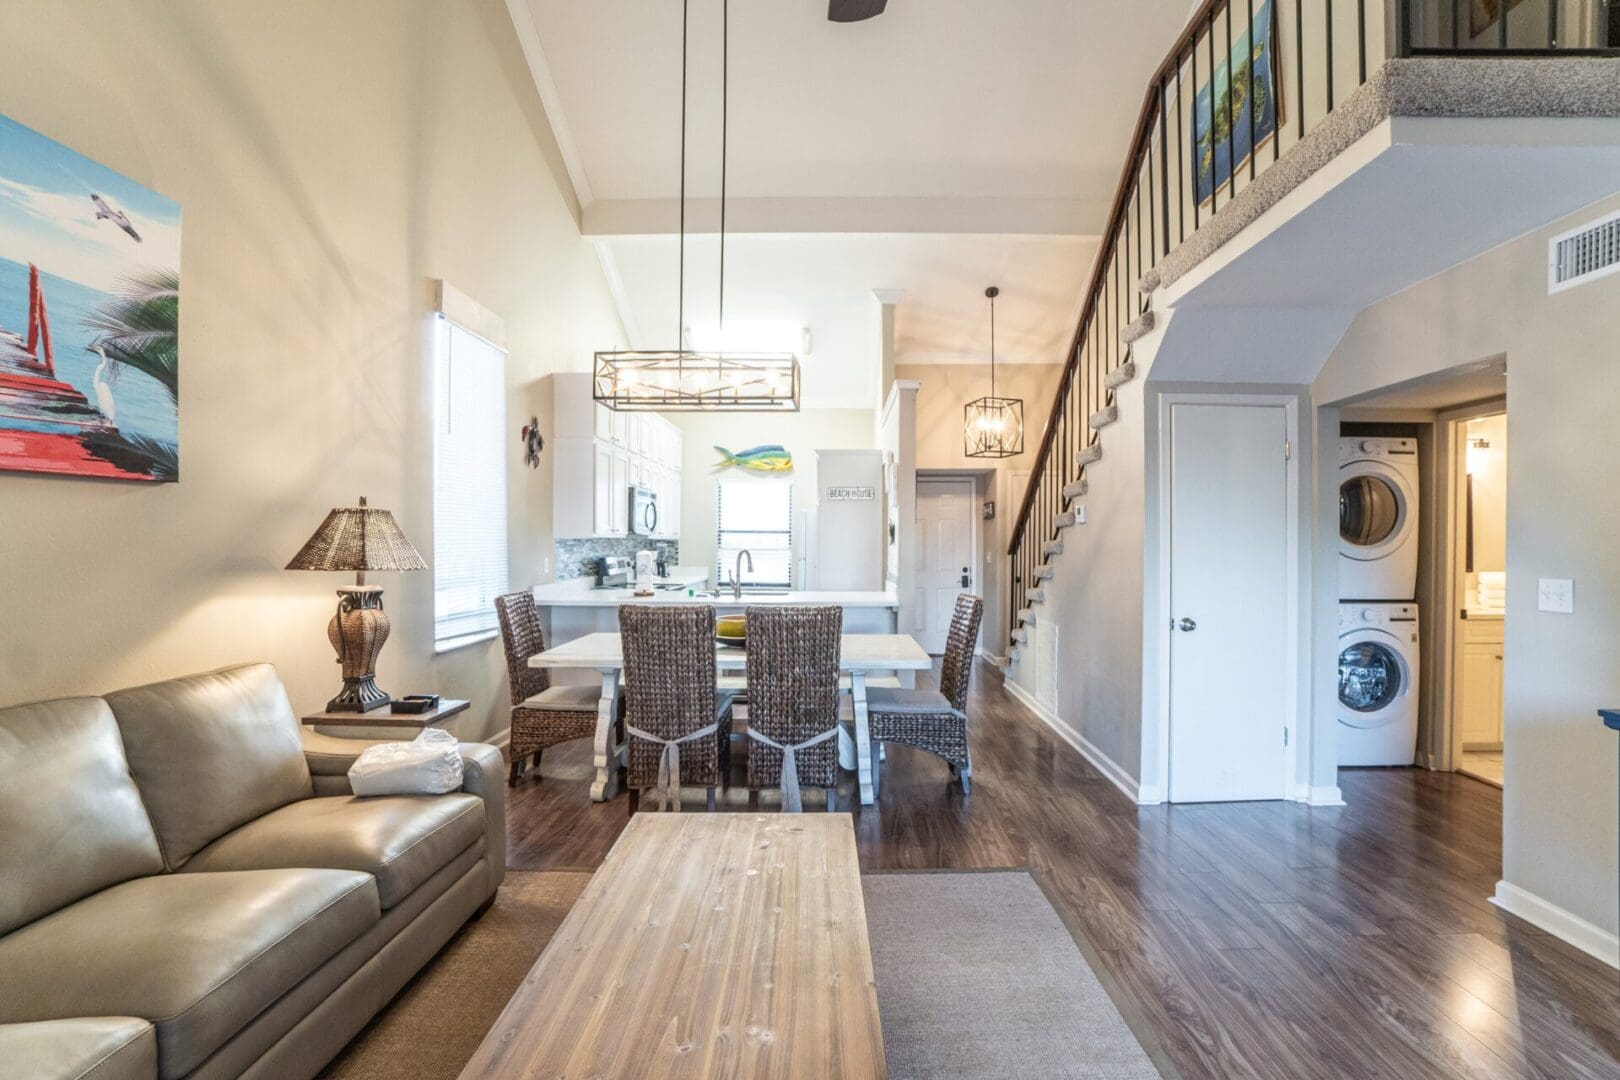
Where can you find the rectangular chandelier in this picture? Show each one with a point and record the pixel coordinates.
(993, 427)
(689, 381)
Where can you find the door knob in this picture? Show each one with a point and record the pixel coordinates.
(1187, 625)
(967, 578)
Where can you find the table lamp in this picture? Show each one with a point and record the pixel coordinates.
(358, 539)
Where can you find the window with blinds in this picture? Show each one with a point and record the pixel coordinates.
(469, 485)
(756, 515)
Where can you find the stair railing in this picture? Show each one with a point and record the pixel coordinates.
(1294, 62)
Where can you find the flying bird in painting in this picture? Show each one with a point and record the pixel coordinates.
(117, 217)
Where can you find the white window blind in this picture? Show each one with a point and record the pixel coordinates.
(469, 485)
(757, 515)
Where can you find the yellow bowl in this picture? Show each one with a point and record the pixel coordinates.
(731, 629)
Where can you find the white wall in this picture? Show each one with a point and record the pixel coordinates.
(1559, 803)
(802, 433)
(330, 159)
(942, 391)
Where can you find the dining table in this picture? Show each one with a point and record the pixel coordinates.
(860, 657)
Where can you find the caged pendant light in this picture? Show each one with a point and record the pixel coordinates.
(683, 379)
(993, 427)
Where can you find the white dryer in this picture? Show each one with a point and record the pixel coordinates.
(1378, 519)
(1378, 683)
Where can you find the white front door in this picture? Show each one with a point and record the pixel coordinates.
(945, 520)
(1229, 650)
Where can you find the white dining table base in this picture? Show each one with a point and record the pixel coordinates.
(606, 754)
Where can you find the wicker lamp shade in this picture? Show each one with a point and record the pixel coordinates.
(358, 539)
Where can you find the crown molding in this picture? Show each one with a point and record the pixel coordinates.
(528, 35)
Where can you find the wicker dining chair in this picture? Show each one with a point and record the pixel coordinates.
(793, 701)
(542, 715)
(935, 720)
(678, 725)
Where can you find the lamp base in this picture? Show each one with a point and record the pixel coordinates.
(358, 696)
(358, 632)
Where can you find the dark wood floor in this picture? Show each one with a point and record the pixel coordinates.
(1253, 939)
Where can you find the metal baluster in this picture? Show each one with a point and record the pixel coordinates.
(1329, 53)
(1248, 36)
(1192, 132)
(1164, 174)
(1231, 111)
(1299, 59)
(1214, 173)
(1501, 26)
(1181, 160)
(1361, 36)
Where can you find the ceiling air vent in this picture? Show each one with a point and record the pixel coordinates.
(1584, 254)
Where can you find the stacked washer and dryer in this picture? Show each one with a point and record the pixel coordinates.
(1378, 616)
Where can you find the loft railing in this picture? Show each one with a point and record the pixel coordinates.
(1197, 145)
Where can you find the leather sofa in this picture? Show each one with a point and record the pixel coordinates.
(189, 889)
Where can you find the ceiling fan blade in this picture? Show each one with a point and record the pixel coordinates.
(854, 10)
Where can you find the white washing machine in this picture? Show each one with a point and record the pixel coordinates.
(1378, 683)
(1378, 519)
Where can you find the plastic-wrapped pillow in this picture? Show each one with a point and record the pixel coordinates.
(429, 764)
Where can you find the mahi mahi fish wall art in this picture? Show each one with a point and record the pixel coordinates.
(771, 458)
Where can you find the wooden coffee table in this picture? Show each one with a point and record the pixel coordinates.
(707, 945)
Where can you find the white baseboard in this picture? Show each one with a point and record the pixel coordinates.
(500, 739)
(1103, 763)
(1319, 795)
(1561, 924)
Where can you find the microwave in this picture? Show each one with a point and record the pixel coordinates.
(643, 511)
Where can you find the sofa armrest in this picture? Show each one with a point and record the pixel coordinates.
(483, 773)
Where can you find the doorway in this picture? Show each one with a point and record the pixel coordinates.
(1232, 542)
(1478, 573)
(947, 530)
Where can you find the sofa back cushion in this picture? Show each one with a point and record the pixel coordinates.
(71, 820)
(211, 752)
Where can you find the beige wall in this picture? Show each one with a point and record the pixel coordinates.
(943, 390)
(1559, 805)
(329, 159)
(802, 433)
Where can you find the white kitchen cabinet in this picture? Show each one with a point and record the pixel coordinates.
(1479, 704)
(601, 493)
(619, 492)
(597, 454)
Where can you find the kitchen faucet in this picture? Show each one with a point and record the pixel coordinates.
(736, 574)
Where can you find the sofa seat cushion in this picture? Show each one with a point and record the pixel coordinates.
(881, 699)
(84, 1048)
(565, 699)
(401, 840)
(199, 955)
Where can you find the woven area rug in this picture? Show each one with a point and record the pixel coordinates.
(432, 1028)
(977, 977)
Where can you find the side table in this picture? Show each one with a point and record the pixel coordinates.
(382, 724)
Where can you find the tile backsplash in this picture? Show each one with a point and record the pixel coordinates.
(577, 558)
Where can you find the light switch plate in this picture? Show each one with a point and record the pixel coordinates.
(1080, 514)
(1556, 595)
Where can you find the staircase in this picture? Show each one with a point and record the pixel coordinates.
(1175, 185)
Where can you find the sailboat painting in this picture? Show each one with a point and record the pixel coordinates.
(89, 316)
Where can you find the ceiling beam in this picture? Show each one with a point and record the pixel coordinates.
(550, 98)
(857, 216)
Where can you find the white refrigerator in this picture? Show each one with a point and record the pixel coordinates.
(847, 522)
